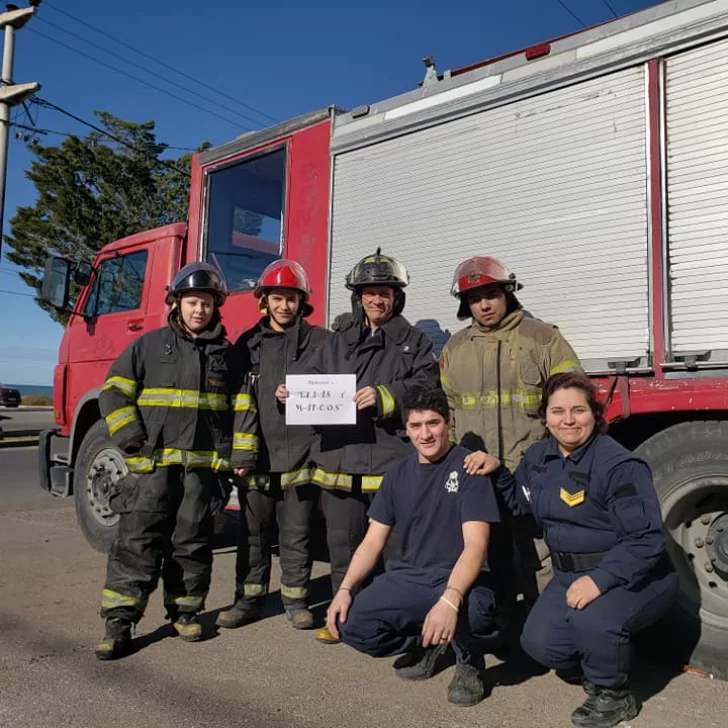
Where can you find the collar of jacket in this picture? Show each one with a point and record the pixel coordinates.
(214, 331)
(263, 329)
(583, 452)
(509, 322)
(397, 329)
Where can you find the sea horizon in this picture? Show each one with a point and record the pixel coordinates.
(25, 389)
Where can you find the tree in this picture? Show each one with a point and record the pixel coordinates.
(93, 190)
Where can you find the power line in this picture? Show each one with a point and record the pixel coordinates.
(48, 105)
(236, 124)
(571, 12)
(146, 70)
(161, 63)
(16, 293)
(610, 8)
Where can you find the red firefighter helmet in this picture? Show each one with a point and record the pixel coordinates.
(286, 274)
(477, 272)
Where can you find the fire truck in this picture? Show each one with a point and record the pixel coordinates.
(595, 165)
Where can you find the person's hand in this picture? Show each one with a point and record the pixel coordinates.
(480, 463)
(281, 393)
(338, 611)
(241, 472)
(439, 626)
(366, 397)
(582, 593)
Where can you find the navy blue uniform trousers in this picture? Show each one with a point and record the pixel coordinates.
(598, 636)
(386, 617)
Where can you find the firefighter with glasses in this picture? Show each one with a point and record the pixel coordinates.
(493, 371)
(280, 489)
(388, 356)
(176, 403)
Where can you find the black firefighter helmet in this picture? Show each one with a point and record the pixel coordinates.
(203, 277)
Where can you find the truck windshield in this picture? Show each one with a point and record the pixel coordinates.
(244, 231)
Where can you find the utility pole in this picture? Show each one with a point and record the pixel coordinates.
(11, 94)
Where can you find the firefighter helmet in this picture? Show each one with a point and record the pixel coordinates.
(198, 277)
(377, 270)
(283, 274)
(478, 272)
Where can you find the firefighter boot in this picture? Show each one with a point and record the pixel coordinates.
(188, 627)
(467, 687)
(604, 707)
(117, 639)
(419, 663)
(243, 612)
(300, 617)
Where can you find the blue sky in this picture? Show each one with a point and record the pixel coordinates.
(284, 57)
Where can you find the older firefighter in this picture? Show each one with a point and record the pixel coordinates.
(281, 486)
(388, 356)
(492, 372)
(170, 402)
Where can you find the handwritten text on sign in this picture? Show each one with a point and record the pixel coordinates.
(326, 399)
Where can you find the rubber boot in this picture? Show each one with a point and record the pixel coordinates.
(605, 707)
(419, 663)
(467, 687)
(188, 627)
(117, 640)
(243, 612)
(300, 617)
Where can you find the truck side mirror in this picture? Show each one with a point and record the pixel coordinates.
(56, 283)
(82, 273)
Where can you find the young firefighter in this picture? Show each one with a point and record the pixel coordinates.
(441, 591)
(281, 487)
(170, 402)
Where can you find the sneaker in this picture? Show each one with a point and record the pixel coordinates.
(243, 612)
(325, 637)
(117, 640)
(300, 618)
(467, 687)
(188, 627)
(419, 663)
(605, 708)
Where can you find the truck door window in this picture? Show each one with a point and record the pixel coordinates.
(244, 230)
(119, 285)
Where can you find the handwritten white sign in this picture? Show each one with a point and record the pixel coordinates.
(326, 399)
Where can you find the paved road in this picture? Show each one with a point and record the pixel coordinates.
(25, 418)
(19, 481)
(263, 675)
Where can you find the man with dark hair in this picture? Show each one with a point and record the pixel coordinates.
(441, 591)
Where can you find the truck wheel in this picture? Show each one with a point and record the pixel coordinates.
(690, 467)
(99, 464)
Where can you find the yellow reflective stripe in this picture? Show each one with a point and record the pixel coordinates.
(388, 403)
(245, 441)
(111, 599)
(296, 477)
(261, 482)
(567, 366)
(124, 385)
(331, 480)
(172, 456)
(371, 482)
(255, 590)
(164, 397)
(445, 381)
(486, 400)
(120, 418)
(294, 592)
(193, 601)
(243, 403)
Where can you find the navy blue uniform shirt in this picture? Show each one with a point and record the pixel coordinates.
(429, 504)
(597, 499)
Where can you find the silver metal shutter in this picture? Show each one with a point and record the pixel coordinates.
(697, 195)
(554, 185)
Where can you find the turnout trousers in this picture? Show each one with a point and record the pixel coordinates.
(166, 527)
(292, 508)
(597, 638)
(386, 617)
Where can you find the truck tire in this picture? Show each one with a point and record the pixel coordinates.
(689, 462)
(99, 464)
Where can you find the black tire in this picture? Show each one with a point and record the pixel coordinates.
(690, 467)
(99, 463)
